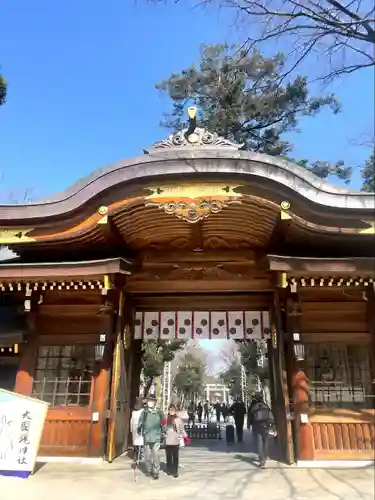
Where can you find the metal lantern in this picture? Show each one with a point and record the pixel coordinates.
(99, 352)
(99, 348)
(299, 351)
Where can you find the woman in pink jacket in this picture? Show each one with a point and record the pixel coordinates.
(176, 437)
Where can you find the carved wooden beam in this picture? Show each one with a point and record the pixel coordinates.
(280, 231)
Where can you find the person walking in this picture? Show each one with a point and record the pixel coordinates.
(137, 439)
(249, 410)
(191, 413)
(199, 412)
(263, 422)
(224, 411)
(206, 410)
(175, 438)
(152, 425)
(238, 410)
(217, 409)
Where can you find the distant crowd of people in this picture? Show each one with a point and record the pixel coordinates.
(204, 412)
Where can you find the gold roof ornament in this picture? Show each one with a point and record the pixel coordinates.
(193, 137)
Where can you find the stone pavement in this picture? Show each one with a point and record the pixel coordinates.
(210, 471)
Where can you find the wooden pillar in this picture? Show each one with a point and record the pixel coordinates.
(370, 295)
(371, 327)
(28, 358)
(100, 402)
(299, 382)
(279, 376)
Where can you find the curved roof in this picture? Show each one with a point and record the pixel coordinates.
(263, 183)
(292, 178)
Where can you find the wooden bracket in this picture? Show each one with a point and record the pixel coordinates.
(281, 228)
(109, 229)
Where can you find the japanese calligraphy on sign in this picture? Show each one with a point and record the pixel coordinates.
(21, 425)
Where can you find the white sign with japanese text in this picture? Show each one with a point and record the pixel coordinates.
(21, 425)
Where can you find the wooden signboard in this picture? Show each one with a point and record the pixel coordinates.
(21, 425)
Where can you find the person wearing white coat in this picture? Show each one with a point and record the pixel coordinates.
(137, 438)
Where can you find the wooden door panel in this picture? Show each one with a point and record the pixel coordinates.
(65, 438)
(66, 432)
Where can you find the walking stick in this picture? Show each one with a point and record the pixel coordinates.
(137, 462)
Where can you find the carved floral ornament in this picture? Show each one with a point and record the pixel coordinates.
(193, 137)
(199, 138)
(193, 202)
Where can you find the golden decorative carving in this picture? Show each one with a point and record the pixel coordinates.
(103, 212)
(193, 202)
(370, 229)
(14, 235)
(285, 205)
(284, 214)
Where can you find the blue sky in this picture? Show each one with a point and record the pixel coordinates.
(81, 87)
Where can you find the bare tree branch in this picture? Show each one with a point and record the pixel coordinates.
(343, 33)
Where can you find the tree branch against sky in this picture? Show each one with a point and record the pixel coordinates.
(229, 353)
(340, 35)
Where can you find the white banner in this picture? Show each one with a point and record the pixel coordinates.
(21, 425)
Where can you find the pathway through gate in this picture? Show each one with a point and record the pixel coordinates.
(214, 455)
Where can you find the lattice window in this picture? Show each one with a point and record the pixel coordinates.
(64, 375)
(340, 376)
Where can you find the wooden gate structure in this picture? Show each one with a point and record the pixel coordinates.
(196, 238)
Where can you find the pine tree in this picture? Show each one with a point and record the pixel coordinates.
(240, 97)
(3, 90)
(368, 174)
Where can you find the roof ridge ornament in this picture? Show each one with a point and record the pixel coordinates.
(193, 137)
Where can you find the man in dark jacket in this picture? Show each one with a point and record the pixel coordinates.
(249, 410)
(262, 422)
(152, 425)
(238, 410)
(191, 412)
(206, 409)
(224, 411)
(217, 408)
(199, 412)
